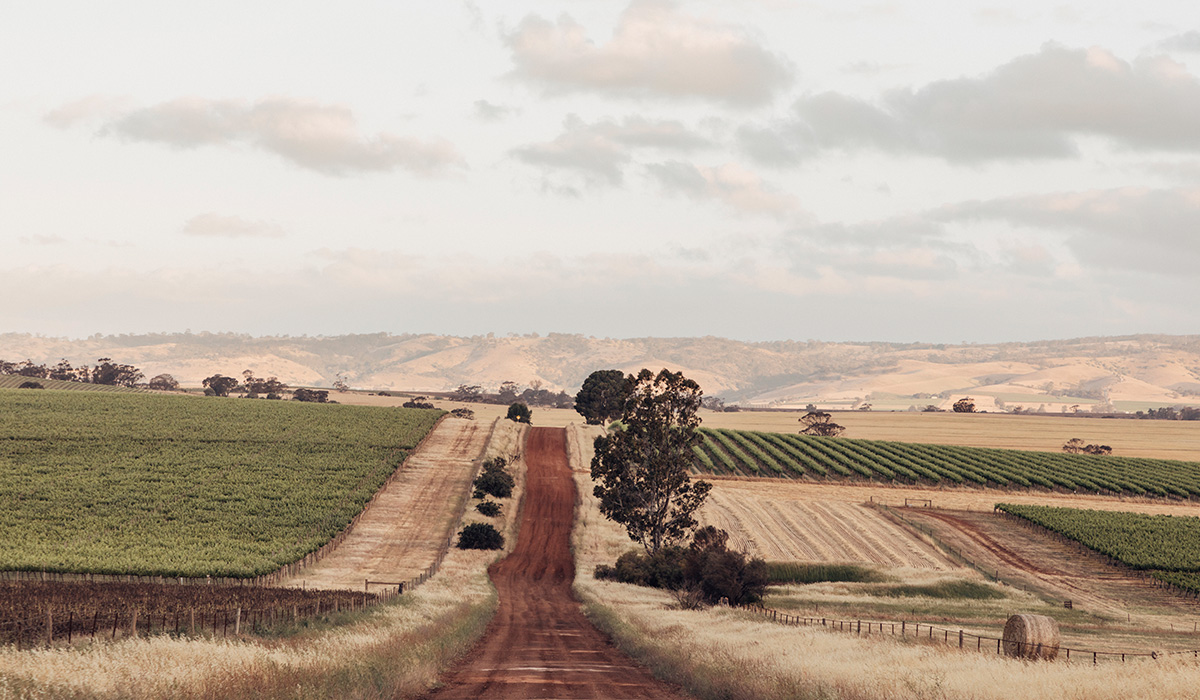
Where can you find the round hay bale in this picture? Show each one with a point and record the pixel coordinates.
(1031, 637)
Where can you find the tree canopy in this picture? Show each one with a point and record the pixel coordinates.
(520, 413)
(820, 423)
(603, 395)
(642, 470)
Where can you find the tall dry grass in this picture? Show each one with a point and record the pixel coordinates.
(394, 650)
(730, 654)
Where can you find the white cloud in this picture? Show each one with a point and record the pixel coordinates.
(730, 184)
(600, 151)
(210, 224)
(1030, 108)
(656, 51)
(1131, 229)
(319, 137)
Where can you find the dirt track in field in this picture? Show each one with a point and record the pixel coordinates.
(1041, 562)
(540, 645)
(412, 515)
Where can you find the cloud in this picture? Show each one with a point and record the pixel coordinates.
(656, 51)
(1129, 229)
(41, 239)
(230, 227)
(600, 151)
(319, 137)
(490, 112)
(86, 109)
(1187, 41)
(1033, 107)
(730, 184)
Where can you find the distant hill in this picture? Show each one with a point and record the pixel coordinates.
(1128, 372)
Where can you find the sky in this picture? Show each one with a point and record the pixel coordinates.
(753, 169)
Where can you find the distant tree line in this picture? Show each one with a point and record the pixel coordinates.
(510, 393)
(105, 372)
(1170, 413)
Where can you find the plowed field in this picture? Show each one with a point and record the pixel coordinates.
(779, 528)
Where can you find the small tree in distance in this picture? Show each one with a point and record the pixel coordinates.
(641, 472)
(603, 395)
(520, 413)
(164, 382)
(220, 384)
(964, 405)
(821, 424)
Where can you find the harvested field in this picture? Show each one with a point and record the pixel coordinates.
(1129, 437)
(412, 517)
(778, 528)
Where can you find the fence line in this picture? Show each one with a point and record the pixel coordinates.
(947, 636)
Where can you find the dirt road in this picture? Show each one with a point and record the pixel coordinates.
(412, 515)
(540, 645)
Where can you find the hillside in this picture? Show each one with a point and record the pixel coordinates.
(1132, 372)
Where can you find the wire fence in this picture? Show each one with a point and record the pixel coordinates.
(955, 637)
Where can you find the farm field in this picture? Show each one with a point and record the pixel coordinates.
(783, 529)
(412, 517)
(713, 648)
(1129, 438)
(1166, 546)
(754, 453)
(178, 486)
(13, 381)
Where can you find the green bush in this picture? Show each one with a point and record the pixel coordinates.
(706, 565)
(480, 536)
(495, 480)
(489, 508)
(520, 413)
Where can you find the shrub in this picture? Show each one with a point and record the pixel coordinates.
(463, 413)
(520, 413)
(489, 508)
(311, 395)
(31, 385)
(706, 569)
(417, 402)
(480, 536)
(495, 479)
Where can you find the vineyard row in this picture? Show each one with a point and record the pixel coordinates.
(751, 453)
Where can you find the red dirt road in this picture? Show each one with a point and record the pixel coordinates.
(540, 645)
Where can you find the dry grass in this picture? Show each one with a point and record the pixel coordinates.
(395, 650)
(724, 653)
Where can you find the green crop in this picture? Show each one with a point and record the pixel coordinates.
(114, 483)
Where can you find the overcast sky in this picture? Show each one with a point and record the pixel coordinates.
(932, 171)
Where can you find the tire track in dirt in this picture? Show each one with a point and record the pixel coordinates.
(540, 644)
(412, 516)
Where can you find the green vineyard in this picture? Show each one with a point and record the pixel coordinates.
(1166, 546)
(129, 483)
(782, 455)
